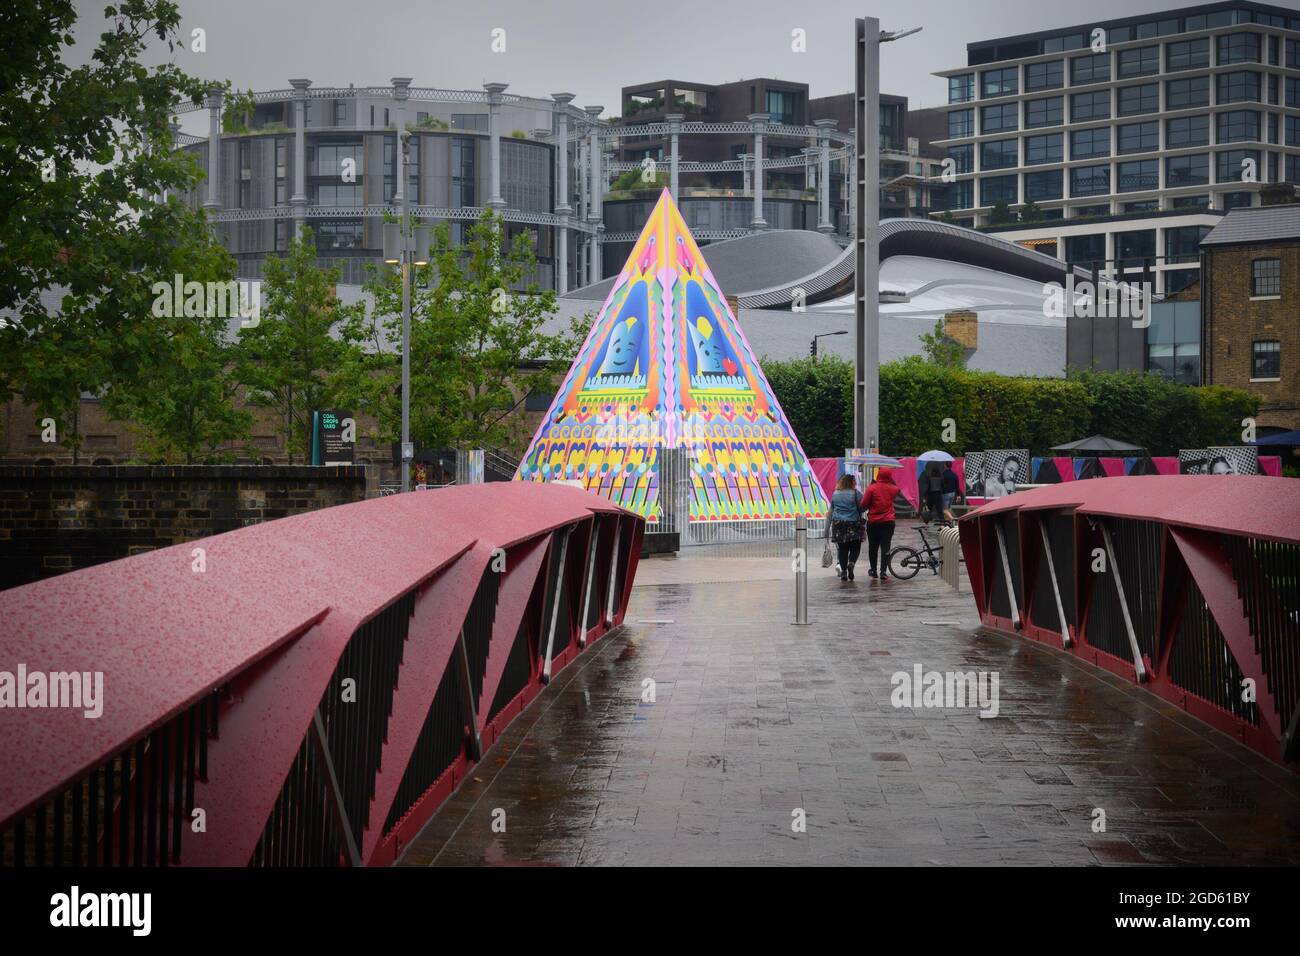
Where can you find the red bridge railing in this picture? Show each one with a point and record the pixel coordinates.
(1188, 585)
(301, 692)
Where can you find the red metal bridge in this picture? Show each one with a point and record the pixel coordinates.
(1188, 585)
(301, 692)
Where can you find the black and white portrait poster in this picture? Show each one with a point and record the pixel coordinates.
(973, 473)
(1193, 461)
(1233, 460)
(1004, 470)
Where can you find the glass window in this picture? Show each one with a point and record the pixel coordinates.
(1043, 185)
(961, 89)
(1237, 165)
(999, 154)
(779, 106)
(1233, 201)
(1237, 126)
(964, 157)
(961, 123)
(1090, 69)
(1187, 54)
(335, 234)
(1044, 76)
(1185, 94)
(1142, 205)
(1139, 99)
(1187, 171)
(1142, 61)
(1047, 112)
(1138, 176)
(1081, 250)
(1240, 87)
(462, 171)
(961, 194)
(1047, 148)
(999, 119)
(1004, 82)
(1293, 91)
(1089, 106)
(1138, 137)
(1186, 131)
(1238, 48)
(474, 121)
(1183, 243)
(1089, 181)
(1190, 202)
(995, 189)
(1090, 143)
(1293, 130)
(1267, 356)
(1090, 212)
(1293, 54)
(1134, 248)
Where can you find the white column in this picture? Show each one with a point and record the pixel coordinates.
(674, 132)
(824, 223)
(595, 208)
(759, 123)
(213, 201)
(562, 208)
(401, 91)
(494, 91)
(298, 198)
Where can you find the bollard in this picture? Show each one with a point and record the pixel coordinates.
(801, 569)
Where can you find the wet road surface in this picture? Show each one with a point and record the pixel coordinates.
(757, 724)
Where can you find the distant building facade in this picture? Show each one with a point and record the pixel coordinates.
(1251, 295)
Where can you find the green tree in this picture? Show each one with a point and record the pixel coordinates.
(477, 349)
(941, 350)
(79, 148)
(291, 361)
(1030, 212)
(188, 409)
(817, 398)
(1001, 213)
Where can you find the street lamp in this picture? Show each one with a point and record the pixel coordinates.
(399, 251)
(823, 335)
(866, 359)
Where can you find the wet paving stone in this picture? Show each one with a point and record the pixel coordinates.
(758, 724)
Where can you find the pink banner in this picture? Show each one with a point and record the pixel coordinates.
(1113, 467)
(827, 472)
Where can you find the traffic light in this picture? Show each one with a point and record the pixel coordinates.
(812, 349)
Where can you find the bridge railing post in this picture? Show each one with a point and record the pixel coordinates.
(801, 569)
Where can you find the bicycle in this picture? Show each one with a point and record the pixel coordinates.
(904, 562)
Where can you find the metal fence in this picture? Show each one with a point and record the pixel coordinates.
(316, 690)
(1187, 585)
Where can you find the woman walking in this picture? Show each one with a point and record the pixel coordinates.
(846, 523)
(878, 503)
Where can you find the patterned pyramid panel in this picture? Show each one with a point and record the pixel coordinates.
(666, 366)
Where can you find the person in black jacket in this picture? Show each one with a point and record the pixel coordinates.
(951, 488)
(932, 490)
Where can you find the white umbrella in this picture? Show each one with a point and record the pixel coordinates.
(934, 455)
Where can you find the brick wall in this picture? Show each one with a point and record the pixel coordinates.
(61, 518)
(1234, 321)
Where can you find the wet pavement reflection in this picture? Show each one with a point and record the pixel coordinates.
(767, 743)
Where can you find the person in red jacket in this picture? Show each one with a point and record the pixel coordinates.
(878, 502)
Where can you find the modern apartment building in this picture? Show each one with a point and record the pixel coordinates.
(1125, 140)
(328, 157)
(720, 129)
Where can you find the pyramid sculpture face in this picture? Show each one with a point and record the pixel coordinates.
(664, 367)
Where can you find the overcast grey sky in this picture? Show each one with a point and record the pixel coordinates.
(595, 47)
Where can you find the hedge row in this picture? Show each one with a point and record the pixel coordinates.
(999, 411)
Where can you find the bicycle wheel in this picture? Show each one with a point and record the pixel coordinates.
(904, 562)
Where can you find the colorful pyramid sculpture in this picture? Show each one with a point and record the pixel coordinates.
(666, 366)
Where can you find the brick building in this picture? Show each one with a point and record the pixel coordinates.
(1250, 334)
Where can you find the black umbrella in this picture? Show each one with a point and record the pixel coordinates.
(1098, 445)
